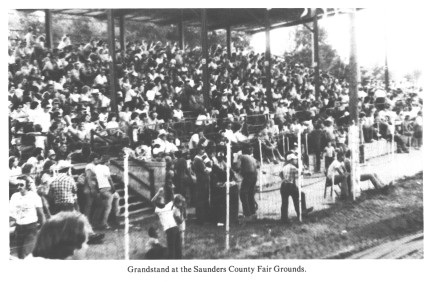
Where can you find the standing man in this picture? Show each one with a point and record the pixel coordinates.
(106, 192)
(247, 166)
(289, 188)
(89, 192)
(26, 210)
(202, 185)
(63, 190)
(316, 144)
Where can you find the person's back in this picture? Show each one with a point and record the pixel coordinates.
(247, 164)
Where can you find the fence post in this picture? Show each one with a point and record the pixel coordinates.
(229, 161)
(260, 171)
(126, 182)
(284, 146)
(392, 147)
(300, 168)
(306, 150)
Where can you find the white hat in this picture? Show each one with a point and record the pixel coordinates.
(291, 157)
(63, 164)
(162, 132)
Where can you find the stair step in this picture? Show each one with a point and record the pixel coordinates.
(137, 215)
(134, 206)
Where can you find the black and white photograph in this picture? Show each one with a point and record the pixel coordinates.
(194, 133)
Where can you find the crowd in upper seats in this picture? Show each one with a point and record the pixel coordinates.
(58, 97)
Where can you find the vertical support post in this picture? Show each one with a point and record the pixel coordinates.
(393, 146)
(229, 41)
(306, 150)
(49, 29)
(122, 32)
(355, 175)
(181, 31)
(260, 170)
(284, 147)
(354, 71)
(111, 48)
(229, 161)
(386, 74)
(300, 167)
(316, 62)
(353, 104)
(205, 58)
(126, 196)
(268, 61)
(386, 55)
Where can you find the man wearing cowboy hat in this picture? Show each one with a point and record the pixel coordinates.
(63, 190)
(289, 188)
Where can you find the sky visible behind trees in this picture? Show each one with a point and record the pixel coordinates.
(397, 32)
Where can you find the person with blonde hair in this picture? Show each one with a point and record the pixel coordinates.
(63, 236)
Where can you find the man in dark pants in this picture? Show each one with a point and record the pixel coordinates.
(202, 186)
(316, 141)
(289, 188)
(247, 166)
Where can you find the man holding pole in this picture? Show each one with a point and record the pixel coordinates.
(289, 188)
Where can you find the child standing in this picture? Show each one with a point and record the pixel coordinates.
(329, 152)
(165, 213)
(179, 213)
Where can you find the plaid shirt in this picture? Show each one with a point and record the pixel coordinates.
(290, 174)
(63, 189)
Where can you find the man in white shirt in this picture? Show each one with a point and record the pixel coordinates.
(44, 119)
(338, 172)
(26, 209)
(106, 190)
(165, 213)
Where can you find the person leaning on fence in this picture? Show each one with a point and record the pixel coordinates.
(337, 172)
(26, 210)
(165, 212)
(289, 188)
(372, 177)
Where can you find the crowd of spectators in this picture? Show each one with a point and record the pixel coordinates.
(60, 105)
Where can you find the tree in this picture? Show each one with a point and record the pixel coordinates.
(329, 59)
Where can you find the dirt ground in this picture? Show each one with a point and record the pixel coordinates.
(378, 216)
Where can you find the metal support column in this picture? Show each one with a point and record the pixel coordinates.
(181, 31)
(48, 29)
(205, 58)
(122, 32)
(111, 48)
(229, 41)
(268, 61)
(316, 62)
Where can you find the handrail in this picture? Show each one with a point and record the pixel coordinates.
(131, 175)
